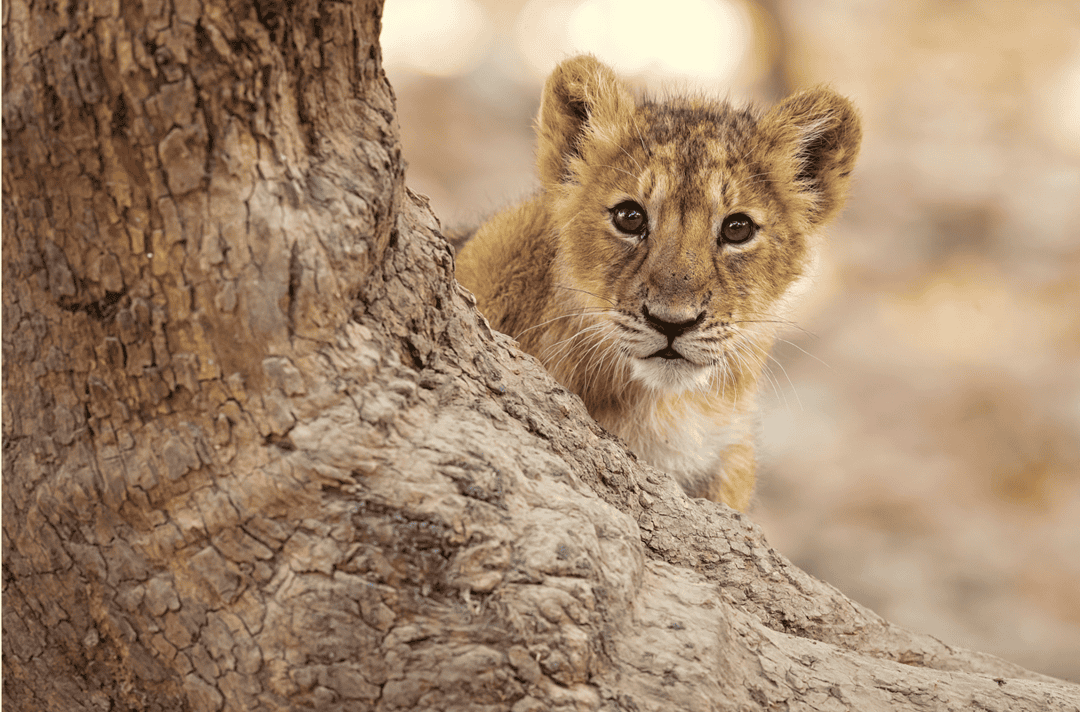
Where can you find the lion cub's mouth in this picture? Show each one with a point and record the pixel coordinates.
(669, 370)
(668, 353)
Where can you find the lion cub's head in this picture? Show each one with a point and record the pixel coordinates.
(687, 228)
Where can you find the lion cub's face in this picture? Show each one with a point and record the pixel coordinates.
(687, 229)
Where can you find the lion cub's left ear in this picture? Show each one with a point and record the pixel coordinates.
(812, 139)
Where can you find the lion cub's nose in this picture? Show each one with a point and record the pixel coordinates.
(671, 329)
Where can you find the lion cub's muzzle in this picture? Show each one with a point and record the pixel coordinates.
(672, 325)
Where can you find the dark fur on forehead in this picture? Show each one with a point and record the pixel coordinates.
(670, 121)
(695, 129)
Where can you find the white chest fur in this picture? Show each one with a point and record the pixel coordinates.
(685, 434)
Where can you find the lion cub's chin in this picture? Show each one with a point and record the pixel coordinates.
(671, 375)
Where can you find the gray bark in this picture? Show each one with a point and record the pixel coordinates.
(260, 451)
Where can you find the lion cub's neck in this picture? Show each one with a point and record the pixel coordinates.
(668, 243)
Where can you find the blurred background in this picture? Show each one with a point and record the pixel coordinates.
(921, 442)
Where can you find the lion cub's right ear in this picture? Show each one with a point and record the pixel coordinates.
(581, 95)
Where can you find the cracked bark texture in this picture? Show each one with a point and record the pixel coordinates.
(261, 453)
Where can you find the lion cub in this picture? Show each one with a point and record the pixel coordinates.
(666, 248)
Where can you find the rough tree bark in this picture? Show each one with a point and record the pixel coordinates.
(260, 452)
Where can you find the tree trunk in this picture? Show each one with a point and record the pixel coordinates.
(261, 453)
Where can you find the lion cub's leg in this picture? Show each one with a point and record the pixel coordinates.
(734, 483)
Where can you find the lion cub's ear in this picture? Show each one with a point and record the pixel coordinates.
(812, 139)
(580, 95)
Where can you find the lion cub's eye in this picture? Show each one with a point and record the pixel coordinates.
(629, 217)
(737, 229)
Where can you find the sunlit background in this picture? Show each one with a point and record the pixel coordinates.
(924, 454)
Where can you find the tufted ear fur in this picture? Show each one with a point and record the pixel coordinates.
(814, 138)
(580, 95)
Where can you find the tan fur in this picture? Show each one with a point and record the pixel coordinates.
(664, 334)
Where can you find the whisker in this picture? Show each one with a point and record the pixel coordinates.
(570, 221)
(774, 320)
(790, 383)
(590, 371)
(769, 357)
(569, 339)
(744, 353)
(620, 170)
(585, 360)
(552, 349)
(744, 348)
(554, 319)
(800, 348)
(583, 291)
(633, 120)
(630, 156)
